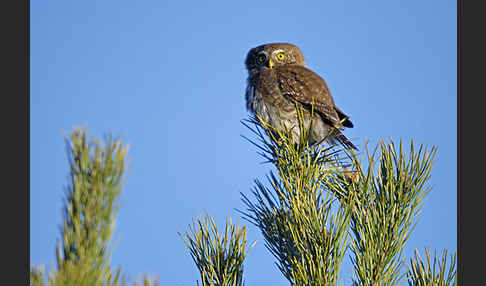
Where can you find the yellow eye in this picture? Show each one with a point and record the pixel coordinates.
(280, 56)
(261, 58)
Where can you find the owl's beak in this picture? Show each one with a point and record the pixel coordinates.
(270, 63)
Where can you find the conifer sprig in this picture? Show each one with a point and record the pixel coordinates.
(423, 272)
(89, 212)
(301, 223)
(390, 195)
(37, 275)
(147, 280)
(218, 256)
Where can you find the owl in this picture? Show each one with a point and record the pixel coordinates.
(279, 81)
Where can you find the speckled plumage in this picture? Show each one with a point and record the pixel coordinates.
(278, 79)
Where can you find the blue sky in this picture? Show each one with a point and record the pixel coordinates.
(168, 77)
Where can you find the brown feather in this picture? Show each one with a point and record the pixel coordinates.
(276, 84)
(306, 87)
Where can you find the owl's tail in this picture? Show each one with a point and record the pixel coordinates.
(343, 140)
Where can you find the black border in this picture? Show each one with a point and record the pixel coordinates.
(15, 118)
(17, 131)
(471, 126)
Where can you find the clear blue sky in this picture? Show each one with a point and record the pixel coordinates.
(168, 77)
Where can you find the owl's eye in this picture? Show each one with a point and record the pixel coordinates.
(281, 56)
(261, 58)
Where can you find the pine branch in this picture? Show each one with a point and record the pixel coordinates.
(426, 273)
(90, 207)
(37, 275)
(147, 280)
(218, 257)
(304, 227)
(390, 195)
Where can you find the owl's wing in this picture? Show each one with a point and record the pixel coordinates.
(344, 118)
(306, 87)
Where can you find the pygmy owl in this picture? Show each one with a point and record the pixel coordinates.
(278, 81)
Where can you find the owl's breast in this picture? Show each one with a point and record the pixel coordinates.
(264, 88)
(256, 103)
(265, 100)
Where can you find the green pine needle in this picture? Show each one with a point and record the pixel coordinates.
(89, 213)
(426, 273)
(304, 226)
(218, 256)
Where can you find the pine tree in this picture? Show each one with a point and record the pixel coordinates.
(320, 202)
(89, 213)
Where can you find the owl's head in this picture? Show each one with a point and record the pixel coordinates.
(274, 54)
